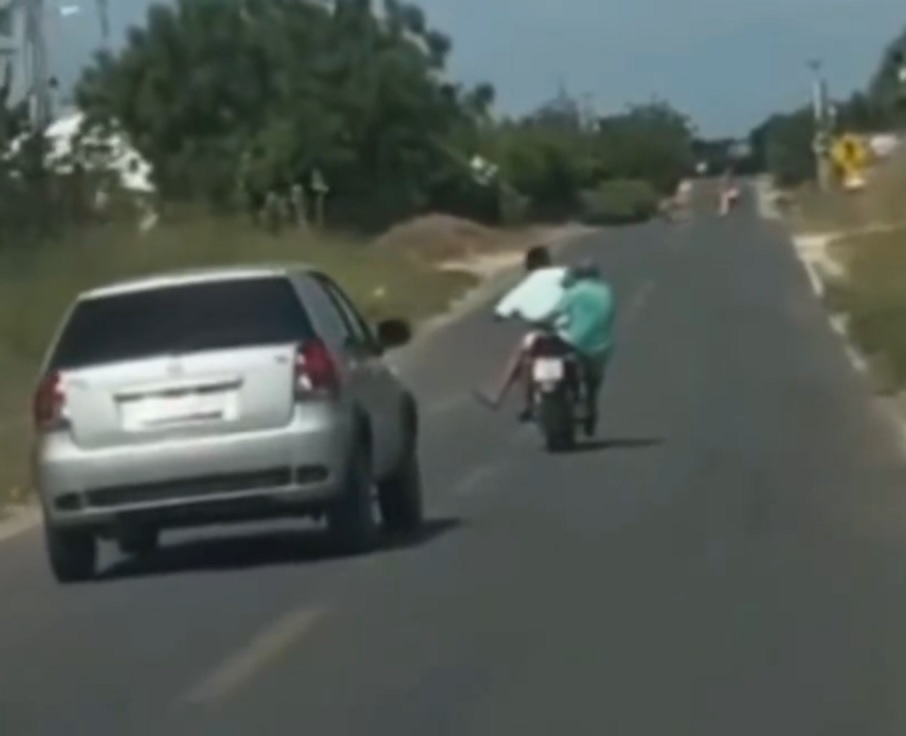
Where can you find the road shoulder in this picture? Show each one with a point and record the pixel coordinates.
(814, 250)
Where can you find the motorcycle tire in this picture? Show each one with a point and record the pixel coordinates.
(557, 421)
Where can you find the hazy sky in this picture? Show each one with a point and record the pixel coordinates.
(727, 63)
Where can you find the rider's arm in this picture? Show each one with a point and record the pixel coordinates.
(510, 305)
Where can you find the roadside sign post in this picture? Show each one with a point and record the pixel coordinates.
(824, 166)
(321, 190)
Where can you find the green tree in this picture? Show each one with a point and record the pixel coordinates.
(783, 146)
(862, 113)
(229, 95)
(232, 99)
(886, 90)
(561, 159)
(651, 142)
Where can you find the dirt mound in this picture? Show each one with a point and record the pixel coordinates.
(441, 237)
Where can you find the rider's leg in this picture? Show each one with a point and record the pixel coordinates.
(595, 371)
(513, 370)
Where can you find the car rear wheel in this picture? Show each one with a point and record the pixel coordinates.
(400, 497)
(350, 519)
(72, 553)
(138, 540)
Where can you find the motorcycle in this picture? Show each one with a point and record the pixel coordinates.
(559, 393)
(729, 198)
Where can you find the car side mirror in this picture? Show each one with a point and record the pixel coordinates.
(393, 333)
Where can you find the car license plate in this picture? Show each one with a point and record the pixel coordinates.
(158, 411)
(547, 369)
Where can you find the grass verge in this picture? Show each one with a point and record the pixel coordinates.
(878, 205)
(816, 211)
(37, 286)
(873, 296)
(869, 245)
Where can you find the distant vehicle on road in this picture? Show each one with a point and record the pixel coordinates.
(728, 195)
(215, 396)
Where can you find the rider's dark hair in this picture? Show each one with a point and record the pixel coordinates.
(537, 257)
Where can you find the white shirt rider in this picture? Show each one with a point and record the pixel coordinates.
(534, 298)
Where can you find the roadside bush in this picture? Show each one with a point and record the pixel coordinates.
(618, 202)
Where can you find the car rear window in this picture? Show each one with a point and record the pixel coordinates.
(181, 319)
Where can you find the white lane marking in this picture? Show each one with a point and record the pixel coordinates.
(814, 278)
(261, 651)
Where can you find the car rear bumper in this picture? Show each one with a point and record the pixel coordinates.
(293, 469)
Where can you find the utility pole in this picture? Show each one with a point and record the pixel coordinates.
(37, 67)
(898, 71)
(8, 46)
(104, 17)
(821, 141)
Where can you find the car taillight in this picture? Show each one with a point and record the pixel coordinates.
(49, 402)
(316, 372)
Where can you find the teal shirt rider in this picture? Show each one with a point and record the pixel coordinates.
(585, 317)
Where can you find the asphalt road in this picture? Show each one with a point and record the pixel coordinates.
(727, 559)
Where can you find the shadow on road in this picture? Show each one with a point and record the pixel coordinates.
(260, 549)
(628, 443)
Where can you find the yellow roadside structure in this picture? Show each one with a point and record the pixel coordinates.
(852, 156)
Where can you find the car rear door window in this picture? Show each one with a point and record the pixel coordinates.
(355, 324)
(182, 319)
(327, 317)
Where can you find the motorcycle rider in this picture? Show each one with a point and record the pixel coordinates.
(582, 310)
(533, 300)
(585, 317)
(729, 193)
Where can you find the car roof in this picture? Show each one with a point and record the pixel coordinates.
(188, 277)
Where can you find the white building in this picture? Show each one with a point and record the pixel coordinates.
(70, 143)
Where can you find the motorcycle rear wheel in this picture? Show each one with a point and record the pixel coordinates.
(556, 419)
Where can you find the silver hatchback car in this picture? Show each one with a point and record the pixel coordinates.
(224, 395)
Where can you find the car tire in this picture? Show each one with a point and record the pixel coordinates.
(73, 554)
(400, 496)
(138, 540)
(350, 518)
